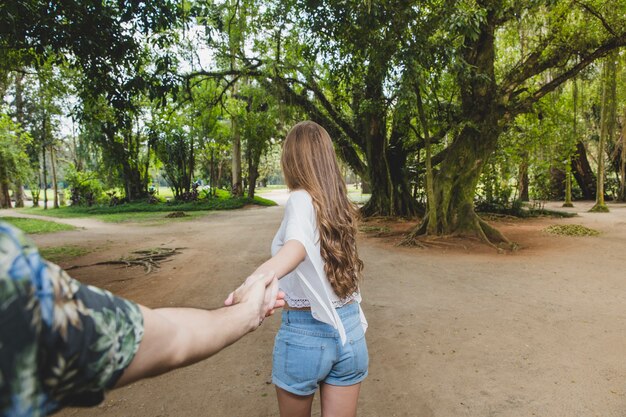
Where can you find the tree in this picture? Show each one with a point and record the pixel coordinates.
(568, 178)
(335, 69)
(176, 142)
(491, 97)
(107, 42)
(14, 162)
(260, 124)
(607, 125)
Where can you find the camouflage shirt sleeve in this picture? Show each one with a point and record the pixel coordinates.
(61, 342)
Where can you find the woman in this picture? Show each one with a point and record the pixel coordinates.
(321, 342)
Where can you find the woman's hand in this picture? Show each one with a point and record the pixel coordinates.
(261, 291)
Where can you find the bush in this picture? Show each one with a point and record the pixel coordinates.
(86, 189)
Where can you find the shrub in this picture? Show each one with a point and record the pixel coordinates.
(86, 189)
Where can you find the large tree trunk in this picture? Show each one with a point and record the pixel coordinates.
(557, 183)
(522, 180)
(454, 187)
(390, 191)
(403, 203)
(583, 173)
(253, 174)
(5, 197)
(253, 156)
(380, 203)
(607, 123)
(134, 185)
(386, 162)
(18, 193)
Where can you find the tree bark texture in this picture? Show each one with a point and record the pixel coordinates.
(236, 185)
(55, 186)
(522, 180)
(45, 175)
(607, 123)
(557, 183)
(622, 171)
(18, 189)
(583, 173)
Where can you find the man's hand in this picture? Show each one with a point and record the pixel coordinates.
(261, 293)
(176, 337)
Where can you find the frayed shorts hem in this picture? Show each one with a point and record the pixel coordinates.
(291, 390)
(328, 381)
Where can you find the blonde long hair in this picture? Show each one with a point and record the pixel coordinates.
(309, 163)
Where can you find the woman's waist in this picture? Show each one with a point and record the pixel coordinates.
(348, 314)
(308, 307)
(302, 302)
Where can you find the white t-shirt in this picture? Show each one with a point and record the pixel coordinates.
(307, 285)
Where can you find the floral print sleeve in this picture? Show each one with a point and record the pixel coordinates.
(61, 342)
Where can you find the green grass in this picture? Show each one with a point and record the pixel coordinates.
(37, 226)
(271, 187)
(63, 253)
(142, 211)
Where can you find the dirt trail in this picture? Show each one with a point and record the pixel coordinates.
(539, 332)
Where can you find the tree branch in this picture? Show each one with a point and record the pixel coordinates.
(603, 50)
(345, 148)
(532, 65)
(599, 16)
(312, 86)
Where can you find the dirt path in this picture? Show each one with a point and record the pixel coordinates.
(539, 332)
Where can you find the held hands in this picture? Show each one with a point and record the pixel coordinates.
(261, 293)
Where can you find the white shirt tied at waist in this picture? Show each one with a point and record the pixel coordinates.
(308, 281)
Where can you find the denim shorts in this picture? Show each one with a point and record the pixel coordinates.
(308, 352)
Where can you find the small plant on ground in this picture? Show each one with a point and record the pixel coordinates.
(571, 230)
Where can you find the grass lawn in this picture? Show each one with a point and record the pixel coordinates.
(36, 225)
(142, 211)
(356, 195)
(63, 253)
(270, 188)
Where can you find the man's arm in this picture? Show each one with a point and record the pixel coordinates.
(177, 337)
(286, 260)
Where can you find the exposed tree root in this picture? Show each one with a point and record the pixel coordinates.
(478, 228)
(150, 259)
(599, 208)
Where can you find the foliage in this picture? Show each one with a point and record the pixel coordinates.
(14, 161)
(226, 203)
(64, 253)
(488, 103)
(85, 188)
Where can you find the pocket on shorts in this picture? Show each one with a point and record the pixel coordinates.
(361, 355)
(302, 362)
